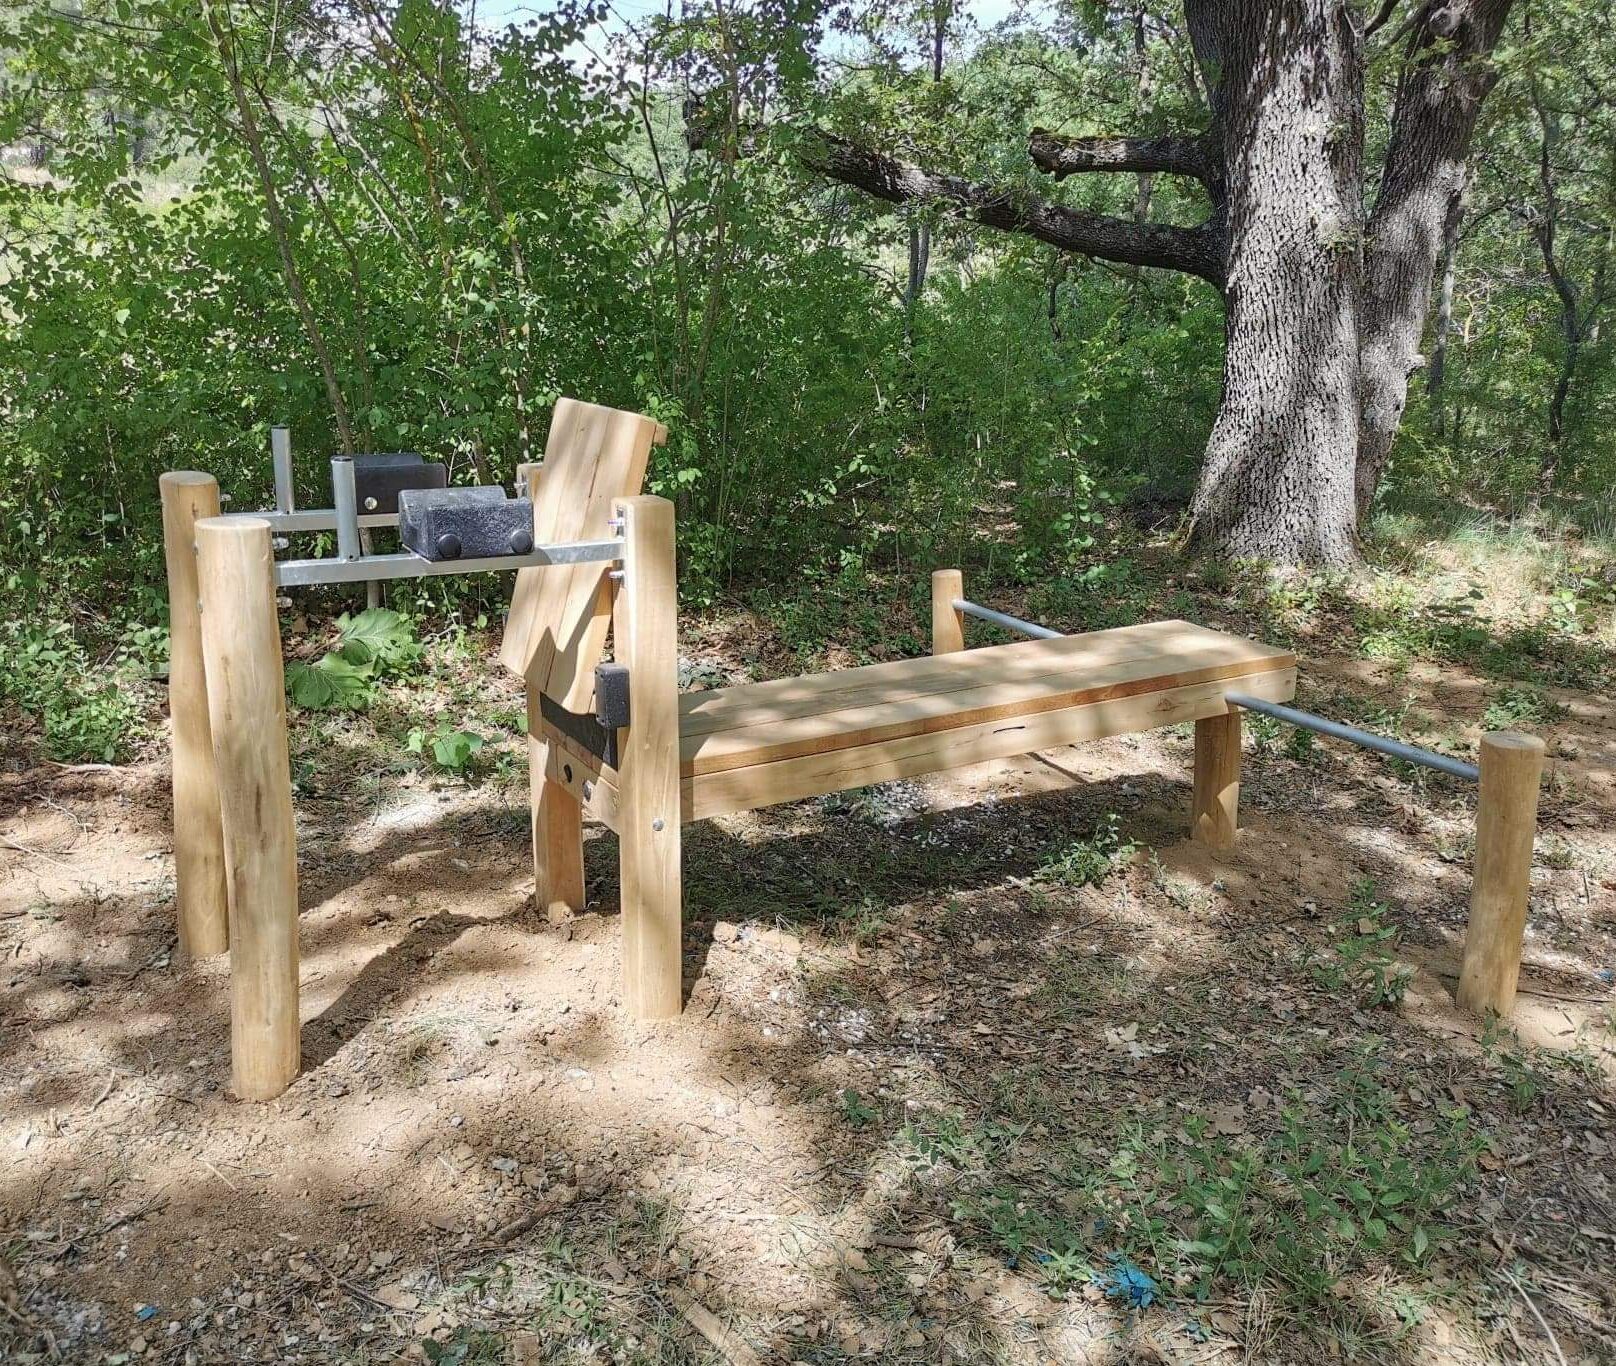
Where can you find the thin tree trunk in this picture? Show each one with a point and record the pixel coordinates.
(920, 233)
(1444, 309)
(280, 229)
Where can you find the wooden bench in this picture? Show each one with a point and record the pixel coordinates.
(683, 758)
(763, 743)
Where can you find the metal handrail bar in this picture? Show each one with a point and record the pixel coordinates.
(1365, 739)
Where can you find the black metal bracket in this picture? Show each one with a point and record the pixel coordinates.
(595, 734)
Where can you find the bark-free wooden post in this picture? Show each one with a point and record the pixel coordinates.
(645, 630)
(1215, 805)
(1506, 824)
(241, 643)
(947, 621)
(557, 820)
(200, 894)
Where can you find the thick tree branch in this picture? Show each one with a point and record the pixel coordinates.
(1175, 155)
(1195, 251)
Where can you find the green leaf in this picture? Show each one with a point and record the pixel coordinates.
(333, 682)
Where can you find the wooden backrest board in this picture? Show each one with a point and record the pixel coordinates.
(556, 630)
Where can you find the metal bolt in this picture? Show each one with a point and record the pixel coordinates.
(657, 823)
(615, 575)
(370, 505)
(589, 790)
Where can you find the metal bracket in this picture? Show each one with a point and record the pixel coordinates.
(582, 728)
(596, 734)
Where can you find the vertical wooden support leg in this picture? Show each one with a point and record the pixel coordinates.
(645, 632)
(200, 895)
(1215, 809)
(558, 820)
(947, 622)
(558, 831)
(1506, 824)
(241, 644)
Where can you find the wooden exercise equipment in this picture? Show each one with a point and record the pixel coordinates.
(667, 758)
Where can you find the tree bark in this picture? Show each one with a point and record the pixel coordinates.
(1444, 311)
(1287, 93)
(1447, 75)
(1324, 319)
(1195, 251)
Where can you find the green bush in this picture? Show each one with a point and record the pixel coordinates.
(85, 711)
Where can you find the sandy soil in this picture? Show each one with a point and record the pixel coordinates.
(485, 1160)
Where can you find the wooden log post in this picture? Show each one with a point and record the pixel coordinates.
(201, 898)
(241, 644)
(645, 630)
(1506, 826)
(1215, 804)
(557, 823)
(947, 621)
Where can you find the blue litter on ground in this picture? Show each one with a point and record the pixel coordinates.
(1126, 1281)
(146, 1311)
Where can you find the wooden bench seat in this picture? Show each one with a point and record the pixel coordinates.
(762, 743)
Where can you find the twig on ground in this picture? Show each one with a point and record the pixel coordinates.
(204, 1161)
(728, 1344)
(1537, 1314)
(139, 1212)
(112, 1080)
(32, 853)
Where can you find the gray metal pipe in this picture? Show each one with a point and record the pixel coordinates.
(280, 450)
(1305, 719)
(1367, 739)
(315, 519)
(1009, 623)
(345, 500)
(408, 565)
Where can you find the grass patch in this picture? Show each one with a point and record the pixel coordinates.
(1335, 1185)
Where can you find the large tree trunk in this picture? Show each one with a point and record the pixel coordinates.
(1439, 99)
(1277, 481)
(1324, 319)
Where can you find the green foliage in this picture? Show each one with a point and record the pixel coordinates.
(1509, 707)
(1360, 959)
(1088, 862)
(376, 644)
(1335, 1181)
(856, 1110)
(447, 749)
(86, 712)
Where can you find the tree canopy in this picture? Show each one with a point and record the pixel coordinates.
(858, 257)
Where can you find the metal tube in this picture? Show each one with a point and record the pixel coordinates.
(345, 500)
(1305, 719)
(280, 450)
(1009, 623)
(1367, 739)
(408, 565)
(314, 519)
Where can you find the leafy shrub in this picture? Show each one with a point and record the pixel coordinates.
(1360, 960)
(85, 712)
(445, 748)
(1513, 706)
(1088, 862)
(376, 644)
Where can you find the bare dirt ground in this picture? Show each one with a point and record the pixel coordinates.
(933, 1090)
